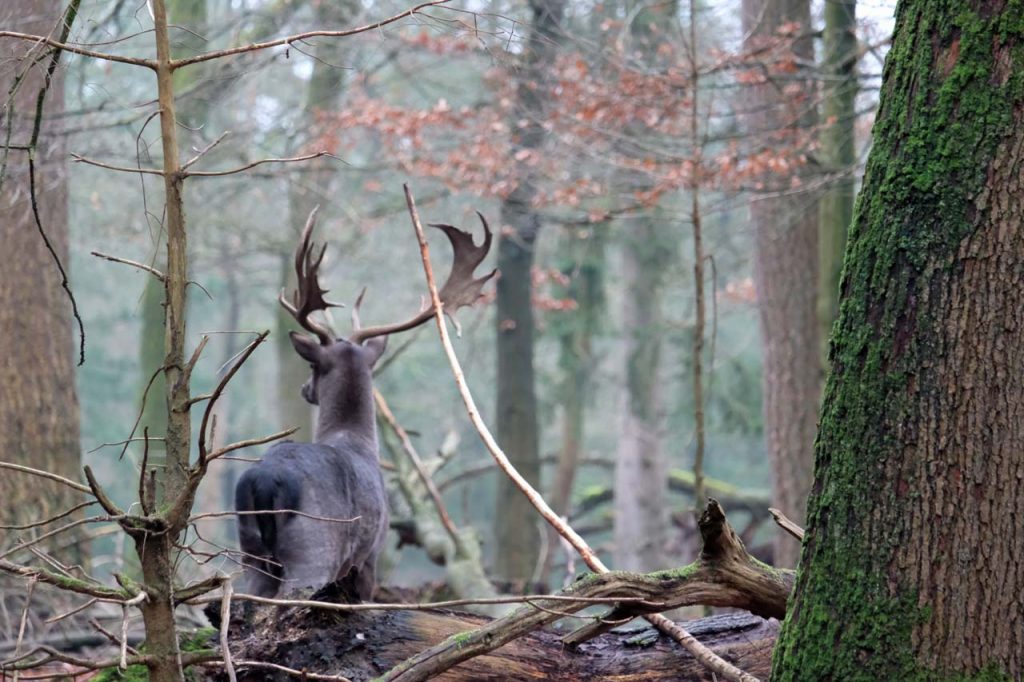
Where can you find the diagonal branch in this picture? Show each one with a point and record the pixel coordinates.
(690, 643)
(179, 63)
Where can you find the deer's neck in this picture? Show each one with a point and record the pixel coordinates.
(348, 413)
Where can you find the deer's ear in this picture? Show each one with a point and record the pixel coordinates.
(307, 348)
(374, 348)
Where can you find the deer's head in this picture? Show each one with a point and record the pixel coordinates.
(338, 363)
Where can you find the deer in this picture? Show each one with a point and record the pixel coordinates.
(327, 511)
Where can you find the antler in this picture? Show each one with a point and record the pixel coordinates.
(459, 290)
(308, 297)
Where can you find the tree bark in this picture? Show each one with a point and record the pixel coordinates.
(515, 525)
(39, 417)
(912, 561)
(785, 274)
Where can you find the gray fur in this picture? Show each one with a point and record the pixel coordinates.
(337, 477)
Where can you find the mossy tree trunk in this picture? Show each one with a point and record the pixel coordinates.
(839, 153)
(515, 526)
(912, 564)
(786, 277)
(38, 408)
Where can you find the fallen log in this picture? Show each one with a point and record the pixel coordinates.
(362, 646)
(402, 645)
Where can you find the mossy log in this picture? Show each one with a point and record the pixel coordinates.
(420, 645)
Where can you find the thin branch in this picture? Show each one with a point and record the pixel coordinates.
(253, 345)
(202, 152)
(46, 474)
(421, 470)
(241, 169)
(47, 521)
(690, 643)
(179, 63)
(217, 454)
(225, 619)
(77, 586)
(24, 619)
(135, 61)
(77, 158)
(786, 524)
(141, 266)
(291, 671)
(427, 606)
(214, 515)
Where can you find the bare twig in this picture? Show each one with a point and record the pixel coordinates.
(242, 169)
(24, 619)
(203, 453)
(47, 521)
(214, 515)
(786, 524)
(134, 601)
(141, 266)
(202, 152)
(225, 620)
(135, 61)
(220, 452)
(179, 63)
(421, 470)
(698, 650)
(291, 671)
(45, 474)
(77, 158)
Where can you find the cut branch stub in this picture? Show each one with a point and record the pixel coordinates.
(461, 288)
(308, 296)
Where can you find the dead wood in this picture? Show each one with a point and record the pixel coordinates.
(454, 646)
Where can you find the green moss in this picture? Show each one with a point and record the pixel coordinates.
(461, 639)
(944, 111)
(190, 640)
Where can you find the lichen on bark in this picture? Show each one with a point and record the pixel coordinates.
(912, 544)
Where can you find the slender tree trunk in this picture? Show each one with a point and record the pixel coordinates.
(515, 522)
(190, 15)
(641, 468)
(39, 415)
(786, 277)
(325, 92)
(838, 151)
(912, 563)
(585, 268)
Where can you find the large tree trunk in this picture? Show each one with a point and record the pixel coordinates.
(912, 563)
(838, 151)
(515, 523)
(785, 274)
(38, 408)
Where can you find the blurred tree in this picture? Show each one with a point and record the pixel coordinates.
(838, 153)
(324, 92)
(39, 414)
(515, 522)
(911, 567)
(785, 266)
(578, 322)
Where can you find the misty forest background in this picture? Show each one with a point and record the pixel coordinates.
(583, 158)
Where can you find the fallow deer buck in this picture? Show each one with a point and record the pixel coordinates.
(338, 475)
